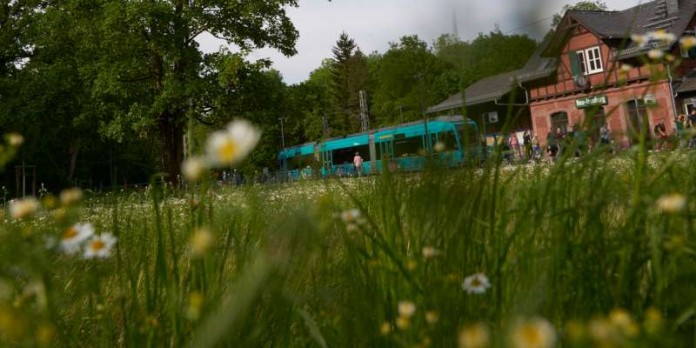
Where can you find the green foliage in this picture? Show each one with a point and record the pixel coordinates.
(349, 76)
(405, 76)
(293, 265)
(487, 55)
(595, 5)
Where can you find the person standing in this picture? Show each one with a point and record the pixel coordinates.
(527, 139)
(661, 135)
(552, 144)
(358, 163)
(514, 145)
(680, 123)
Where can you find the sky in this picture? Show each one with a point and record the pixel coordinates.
(373, 24)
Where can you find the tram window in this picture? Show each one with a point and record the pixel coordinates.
(447, 138)
(341, 156)
(408, 146)
(468, 135)
(300, 161)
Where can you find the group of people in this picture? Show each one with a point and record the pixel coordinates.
(576, 141)
(528, 149)
(684, 132)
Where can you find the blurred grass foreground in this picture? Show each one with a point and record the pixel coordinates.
(596, 251)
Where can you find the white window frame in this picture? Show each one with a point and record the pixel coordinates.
(590, 60)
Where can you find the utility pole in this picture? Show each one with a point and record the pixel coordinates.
(364, 115)
(419, 77)
(282, 132)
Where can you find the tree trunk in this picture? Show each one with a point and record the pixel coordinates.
(171, 145)
(74, 151)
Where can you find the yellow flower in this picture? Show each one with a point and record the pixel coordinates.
(402, 323)
(201, 241)
(70, 196)
(653, 321)
(229, 146)
(602, 332)
(100, 246)
(671, 203)
(430, 252)
(407, 309)
(194, 305)
(687, 42)
(14, 139)
(432, 317)
(22, 208)
(622, 320)
(474, 336)
(385, 329)
(476, 283)
(46, 334)
(534, 333)
(193, 168)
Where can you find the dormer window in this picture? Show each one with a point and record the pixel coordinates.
(586, 62)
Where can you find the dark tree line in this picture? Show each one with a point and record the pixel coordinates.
(112, 91)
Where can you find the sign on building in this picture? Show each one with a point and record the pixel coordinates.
(595, 100)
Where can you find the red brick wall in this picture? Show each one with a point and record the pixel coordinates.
(616, 109)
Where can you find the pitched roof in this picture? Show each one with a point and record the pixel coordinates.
(671, 15)
(493, 88)
(687, 84)
(639, 19)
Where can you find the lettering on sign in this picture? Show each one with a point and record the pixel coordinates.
(587, 102)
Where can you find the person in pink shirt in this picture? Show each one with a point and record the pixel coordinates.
(358, 162)
(514, 144)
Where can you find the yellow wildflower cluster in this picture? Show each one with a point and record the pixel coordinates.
(618, 328)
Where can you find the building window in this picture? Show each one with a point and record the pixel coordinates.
(559, 120)
(637, 119)
(587, 61)
(594, 120)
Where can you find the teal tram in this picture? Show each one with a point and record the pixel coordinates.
(404, 147)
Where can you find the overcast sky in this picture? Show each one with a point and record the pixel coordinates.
(373, 24)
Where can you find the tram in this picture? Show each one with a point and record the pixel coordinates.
(404, 147)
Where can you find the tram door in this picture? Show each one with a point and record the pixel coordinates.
(386, 153)
(326, 162)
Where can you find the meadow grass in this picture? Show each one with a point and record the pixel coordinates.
(583, 252)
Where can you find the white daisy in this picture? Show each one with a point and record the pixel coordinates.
(671, 203)
(229, 146)
(70, 196)
(350, 215)
(74, 236)
(100, 246)
(25, 207)
(476, 283)
(193, 168)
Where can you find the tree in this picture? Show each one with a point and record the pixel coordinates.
(487, 55)
(350, 75)
(405, 76)
(150, 75)
(596, 5)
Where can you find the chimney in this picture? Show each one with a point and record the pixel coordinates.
(672, 7)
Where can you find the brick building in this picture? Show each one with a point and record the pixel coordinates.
(606, 67)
